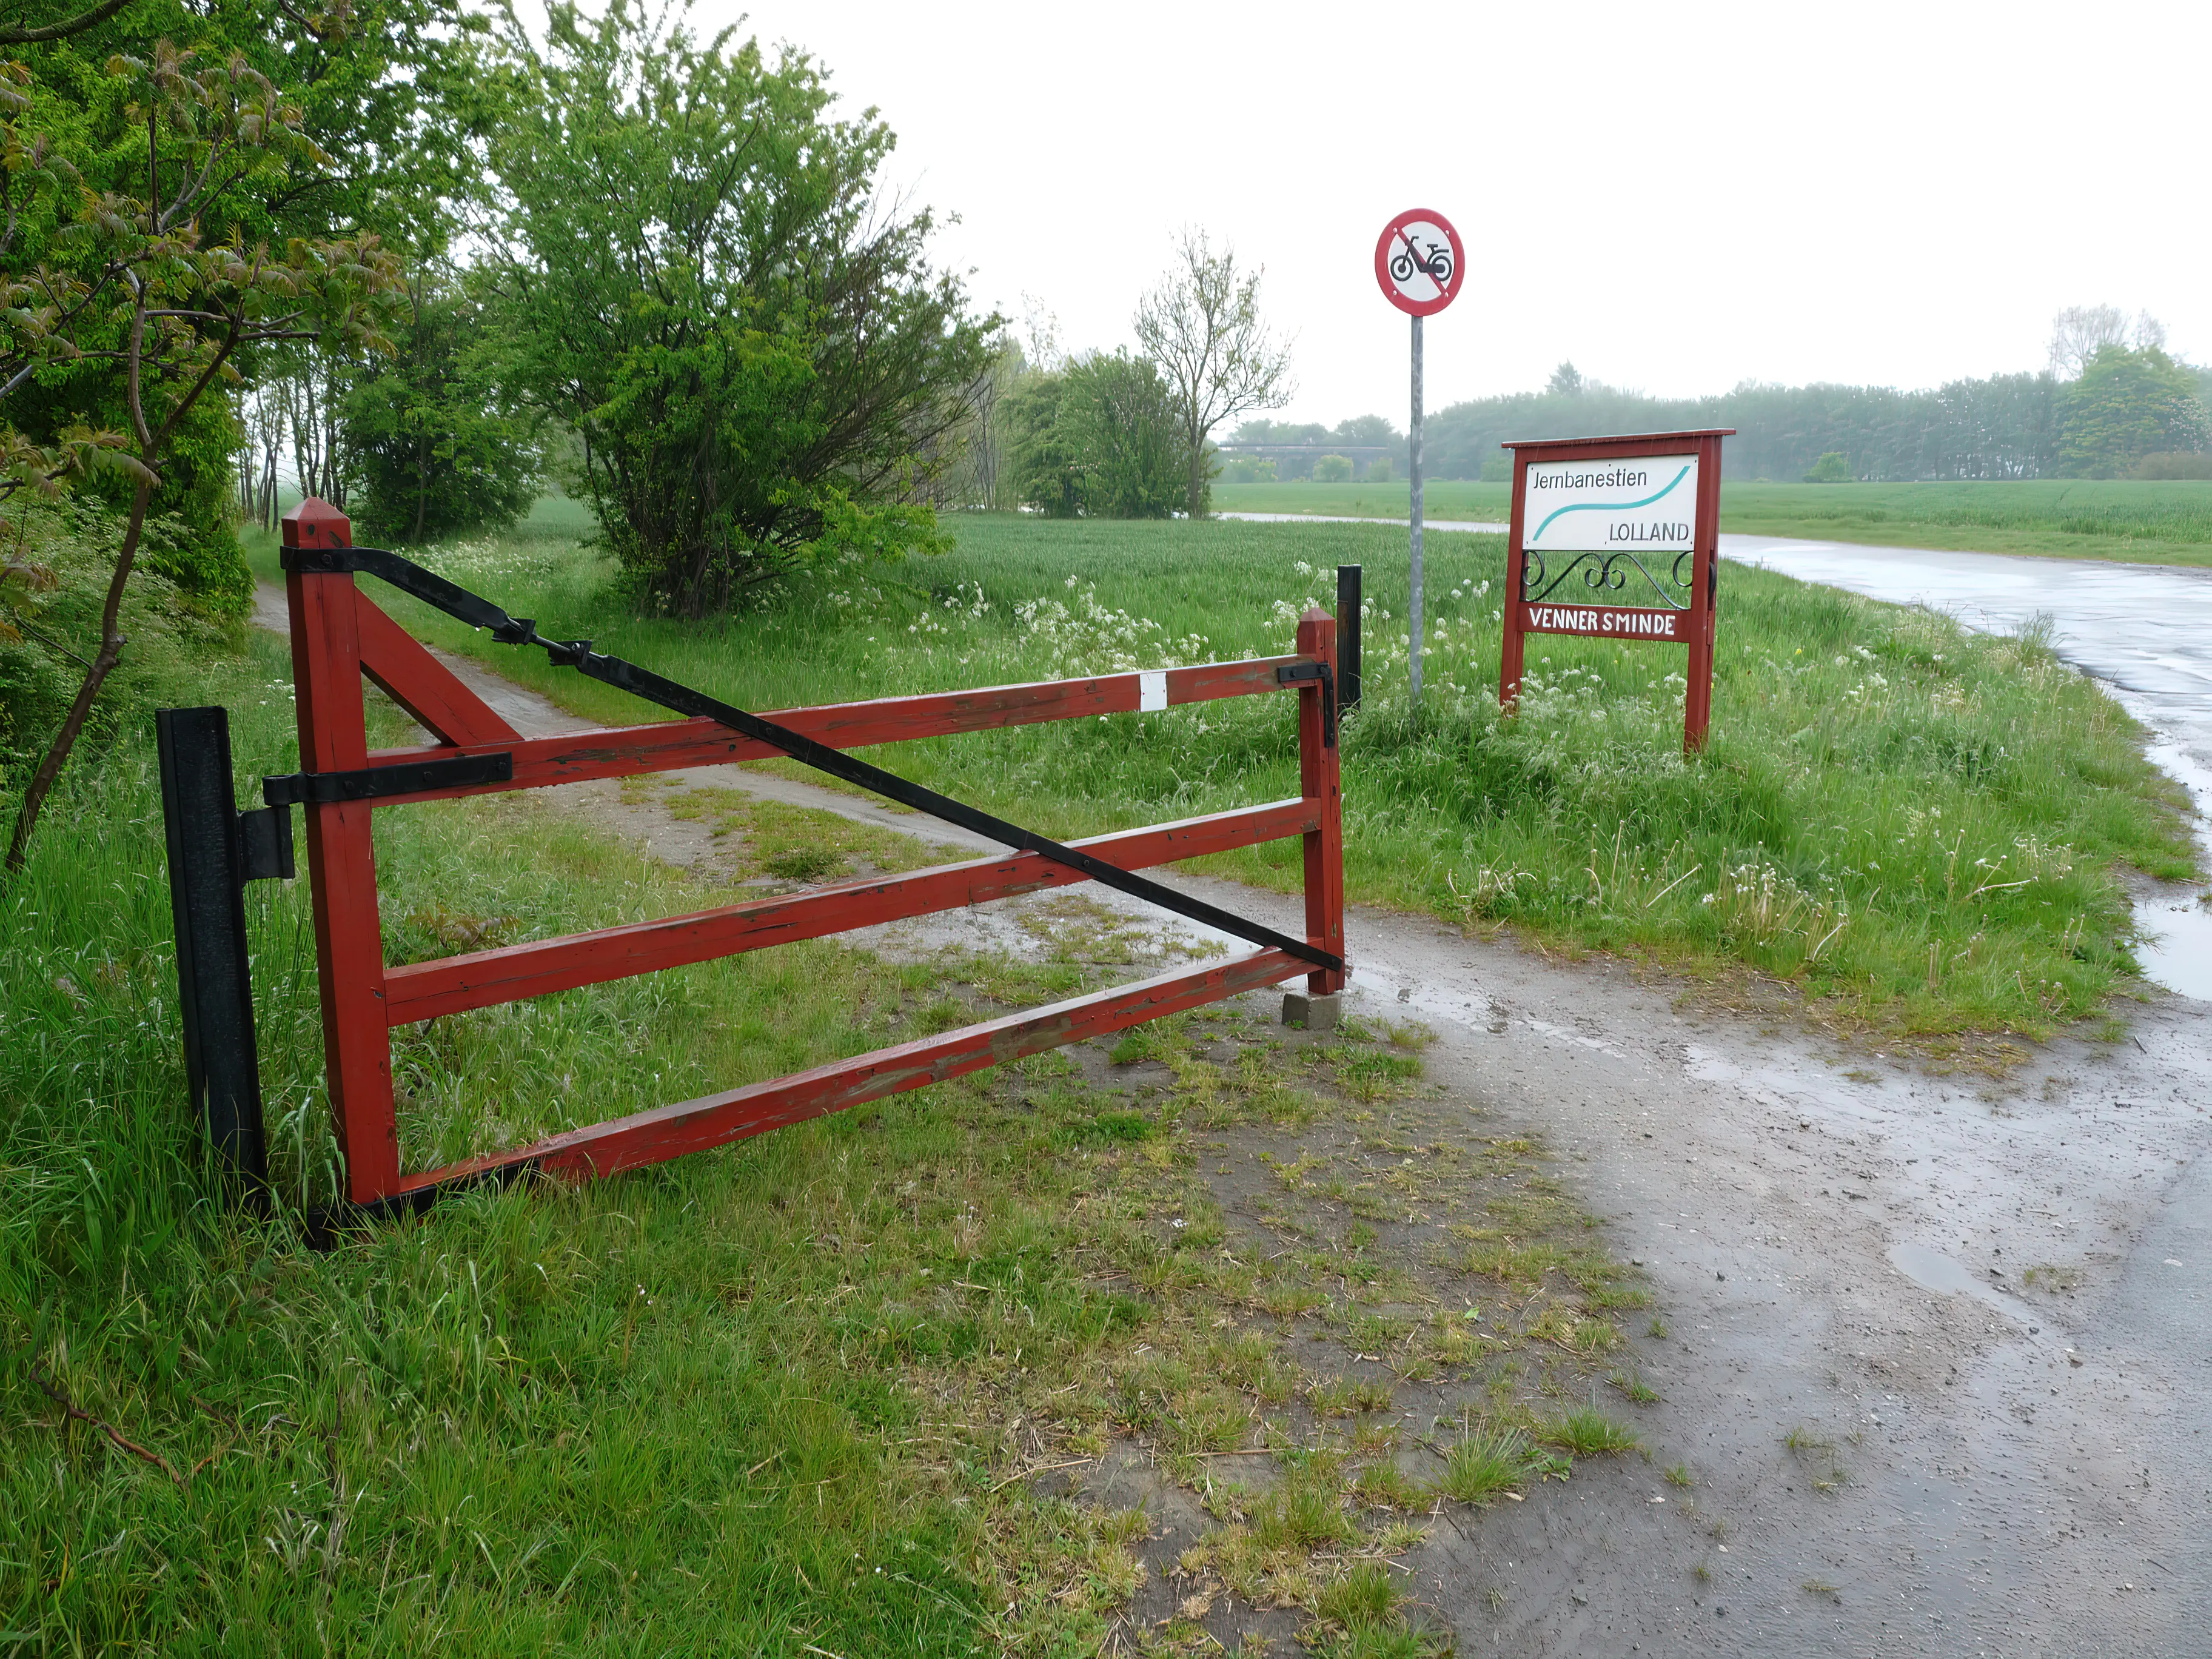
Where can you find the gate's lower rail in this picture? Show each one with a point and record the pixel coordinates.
(339, 636)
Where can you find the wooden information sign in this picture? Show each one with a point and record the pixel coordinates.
(1634, 517)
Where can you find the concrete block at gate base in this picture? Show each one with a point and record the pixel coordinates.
(1313, 1013)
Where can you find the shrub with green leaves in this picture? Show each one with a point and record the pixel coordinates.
(694, 275)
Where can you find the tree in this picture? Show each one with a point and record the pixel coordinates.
(1103, 439)
(1378, 470)
(2127, 404)
(976, 471)
(1201, 325)
(1566, 381)
(1048, 467)
(1332, 469)
(434, 443)
(1371, 429)
(2078, 333)
(1834, 467)
(156, 289)
(693, 275)
(377, 88)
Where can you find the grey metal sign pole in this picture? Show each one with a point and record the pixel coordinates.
(1413, 616)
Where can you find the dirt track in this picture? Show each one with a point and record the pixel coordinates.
(1839, 1246)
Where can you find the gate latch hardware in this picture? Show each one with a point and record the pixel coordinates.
(373, 783)
(1294, 673)
(264, 844)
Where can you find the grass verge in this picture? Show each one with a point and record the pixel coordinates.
(1919, 832)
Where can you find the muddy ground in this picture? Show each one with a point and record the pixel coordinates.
(1939, 1349)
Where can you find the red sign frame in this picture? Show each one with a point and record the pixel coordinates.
(1691, 623)
(1385, 246)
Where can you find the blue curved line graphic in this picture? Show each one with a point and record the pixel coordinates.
(1610, 506)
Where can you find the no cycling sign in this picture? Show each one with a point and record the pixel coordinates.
(1419, 263)
(1635, 517)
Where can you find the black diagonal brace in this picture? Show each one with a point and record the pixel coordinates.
(478, 612)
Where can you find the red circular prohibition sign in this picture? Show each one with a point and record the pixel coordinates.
(1419, 263)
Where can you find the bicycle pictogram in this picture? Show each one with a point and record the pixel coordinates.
(1419, 262)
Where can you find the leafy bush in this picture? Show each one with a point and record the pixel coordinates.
(434, 446)
(2127, 406)
(2175, 466)
(694, 275)
(46, 631)
(1332, 469)
(1832, 468)
(1100, 439)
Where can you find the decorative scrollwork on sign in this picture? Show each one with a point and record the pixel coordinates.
(1602, 573)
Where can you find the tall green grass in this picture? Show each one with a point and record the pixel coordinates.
(782, 1398)
(1923, 829)
(510, 1430)
(698, 1409)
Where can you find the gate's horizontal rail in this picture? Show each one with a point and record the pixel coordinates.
(671, 745)
(715, 1119)
(480, 979)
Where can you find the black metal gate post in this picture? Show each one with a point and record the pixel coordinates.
(1347, 637)
(214, 851)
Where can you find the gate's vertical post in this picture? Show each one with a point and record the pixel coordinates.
(342, 858)
(1511, 643)
(1704, 584)
(1319, 782)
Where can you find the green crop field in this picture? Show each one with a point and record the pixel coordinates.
(1921, 828)
(1440, 498)
(2084, 519)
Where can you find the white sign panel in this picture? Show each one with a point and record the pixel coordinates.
(1612, 505)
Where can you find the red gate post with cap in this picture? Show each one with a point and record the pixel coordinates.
(1320, 782)
(1513, 642)
(1705, 591)
(342, 858)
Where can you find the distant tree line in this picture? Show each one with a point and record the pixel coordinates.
(2120, 407)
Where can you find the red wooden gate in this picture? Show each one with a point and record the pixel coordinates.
(338, 635)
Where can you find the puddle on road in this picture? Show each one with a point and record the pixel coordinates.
(1933, 1270)
(2176, 947)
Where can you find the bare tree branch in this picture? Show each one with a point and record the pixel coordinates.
(1201, 325)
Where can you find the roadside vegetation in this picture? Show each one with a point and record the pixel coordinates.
(879, 1383)
(2149, 523)
(1923, 832)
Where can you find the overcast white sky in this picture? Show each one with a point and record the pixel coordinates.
(1677, 198)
